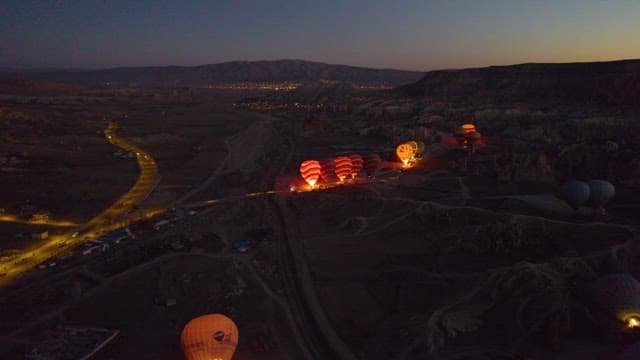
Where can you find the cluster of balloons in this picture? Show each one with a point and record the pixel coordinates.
(467, 134)
(339, 169)
(577, 193)
(409, 151)
(209, 337)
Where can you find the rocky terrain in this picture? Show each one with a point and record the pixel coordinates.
(614, 84)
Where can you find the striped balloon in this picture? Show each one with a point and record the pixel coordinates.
(371, 164)
(327, 171)
(619, 295)
(310, 171)
(343, 167)
(356, 165)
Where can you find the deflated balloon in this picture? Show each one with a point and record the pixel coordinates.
(601, 192)
(575, 193)
(343, 167)
(310, 171)
(208, 337)
(356, 165)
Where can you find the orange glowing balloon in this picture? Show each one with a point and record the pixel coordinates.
(310, 171)
(406, 152)
(327, 171)
(343, 167)
(209, 337)
(356, 165)
(469, 128)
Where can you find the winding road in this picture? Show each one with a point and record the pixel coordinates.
(104, 222)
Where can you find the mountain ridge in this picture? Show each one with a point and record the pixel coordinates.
(230, 71)
(594, 84)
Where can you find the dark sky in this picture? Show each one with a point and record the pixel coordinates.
(420, 35)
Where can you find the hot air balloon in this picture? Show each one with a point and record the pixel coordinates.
(343, 167)
(209, 337)
(327, 171)
(310, 171)
(406, 152)
(575, 193)
(459, 134)
(356, 165)
(468, 128)
(371, 164)
(601, 192)
(619, 296)
(421, 147)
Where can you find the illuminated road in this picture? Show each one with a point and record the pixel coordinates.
(110, 219)
(49, 222)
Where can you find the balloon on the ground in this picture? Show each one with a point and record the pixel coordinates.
(212, 336)
(406, 152)
(310, 171)
(356, 165)
(601, 192)
(421, 147)
(619, 296)
(575, 193)
(473, 137)
(468, 128)
(327, 171)
(371, 164)
(342, 167)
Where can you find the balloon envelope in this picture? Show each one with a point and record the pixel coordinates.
(327, 171)
(310, 171)
(421, 147)
(209, 337)
(601, 192)
(371, 164)
(343, 167)
(406, 152)
(356, 164)
(619, 295)
(575, 193)
(468, 128)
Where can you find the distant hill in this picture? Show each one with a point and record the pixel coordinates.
(227, 72)
(13, 85)
(595, 84)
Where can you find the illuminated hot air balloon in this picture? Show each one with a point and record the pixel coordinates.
(601, 192)
(371, 164)
(468, 128)
(619, 296)
(209, 337)
(356, 165)
(327, 171)
(343, 167)
(406, 152)
(310, 171)
(575, 193)
(414, 146)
